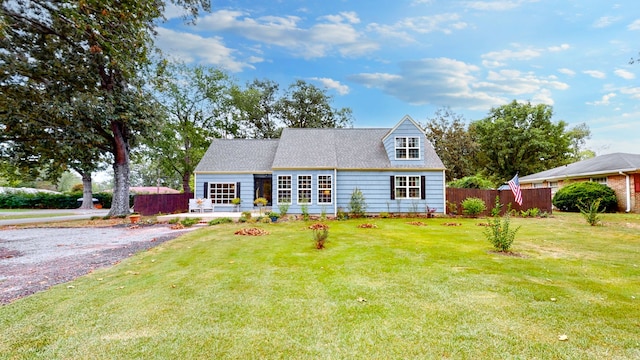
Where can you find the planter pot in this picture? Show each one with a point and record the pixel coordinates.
(134, 218)
(274, 218)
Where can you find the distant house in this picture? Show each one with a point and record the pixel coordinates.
(396, 169)
(619, 171)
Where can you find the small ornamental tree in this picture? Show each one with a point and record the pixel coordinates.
(571, 197)
(473, 206)
(357, 204)
(499, 233)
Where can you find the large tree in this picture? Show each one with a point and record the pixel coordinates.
(453, 143)
(307, 106)
(521, 137)
(195, 103)
(255, 107)
(95, 49)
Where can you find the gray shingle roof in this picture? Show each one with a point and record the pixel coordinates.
(308, 149)
(599, 165)
(255, 155)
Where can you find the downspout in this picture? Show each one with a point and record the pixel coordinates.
(444, 192)
(335, 192)
(628, 190)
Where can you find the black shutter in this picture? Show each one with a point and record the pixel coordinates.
(238, 189)
(206, 190)
(392, 181)
(423, 188)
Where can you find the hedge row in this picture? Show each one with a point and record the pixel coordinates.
(20, 200)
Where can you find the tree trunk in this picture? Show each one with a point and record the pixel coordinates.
(87, 192)
(186, 179)
(120, 201)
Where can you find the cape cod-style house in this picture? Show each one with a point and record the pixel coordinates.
(396, 169)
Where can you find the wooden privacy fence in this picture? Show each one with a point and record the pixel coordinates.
(152, 204)
(531, 198)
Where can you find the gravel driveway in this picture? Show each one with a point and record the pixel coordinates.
(34, 259)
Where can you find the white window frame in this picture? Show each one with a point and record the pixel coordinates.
(406, 147)
(308, 189)
(322, 188)
(600, 180)
(407, 187)
(280, 189)
(217, 191)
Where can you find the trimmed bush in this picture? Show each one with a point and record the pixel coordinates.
(473, 206)
(22, 200)
(571, 197)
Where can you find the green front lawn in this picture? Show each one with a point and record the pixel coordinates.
(398, 291)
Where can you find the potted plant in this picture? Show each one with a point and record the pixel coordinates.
(236, 204)
(134, 217)
(260, 202)
(273, 215)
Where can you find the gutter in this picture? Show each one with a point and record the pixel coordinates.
(628, 191)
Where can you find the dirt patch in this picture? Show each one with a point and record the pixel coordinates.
(34, 259)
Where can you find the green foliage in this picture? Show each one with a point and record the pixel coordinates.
(499, 233)
(307, 106)
(260, 202)
(591, 211)
(189, 221)
(284, 208)
(236, 201)
(473, 206)
(341, 214)
(471, 182)
(320, 234)
(304, 208)
(246, 214)
(22, 200)
(522, 137)
(243, 219)
(384, 215)
(174, 221)
(452, 208)
(222, 220)
(357, 204)
(533, 212)
(570, 197)
(323, 213)
(454, 144)
(273, 215)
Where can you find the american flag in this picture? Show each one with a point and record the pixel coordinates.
(514, 184)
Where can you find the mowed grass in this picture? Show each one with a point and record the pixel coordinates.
(398, 291)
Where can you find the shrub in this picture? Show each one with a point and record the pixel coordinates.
(357, 204)
(320, 234)
(304, 208)
(591, 212)
(471, 182)
(222, 220)
(571, 197)
(341, 215)
(242, 219)
(384, 215)
(284, 208)
(174, 221)
(452, 208)
(189, 222)
(22, 200)
(498, 232)
(473, 206)
(246, 215)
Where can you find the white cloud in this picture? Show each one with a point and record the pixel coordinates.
(627, 75)
(333, 84)
(633, 92)
(595, 74)
(194, 48)
(331, 34)
(605, 21)
(444, 23)
(605, 100)
(498, 5)
(634, 25)
(504, 55)
(561, 47)
(566, 71)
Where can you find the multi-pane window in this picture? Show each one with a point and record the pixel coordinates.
(407, 187)
(324, 189)
(600, 180)
(304, 189)
(407, 148)
(284, 189)
(222, 193)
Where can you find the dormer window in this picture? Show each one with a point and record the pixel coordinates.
(407, 148)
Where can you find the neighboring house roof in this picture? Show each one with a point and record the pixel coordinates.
(597, 166)
(239, 155)
(152, 190)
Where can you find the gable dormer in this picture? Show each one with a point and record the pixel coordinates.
(405, 143)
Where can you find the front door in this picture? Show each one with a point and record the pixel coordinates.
(262, 187)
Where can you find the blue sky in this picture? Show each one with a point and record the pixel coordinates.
(387, 59)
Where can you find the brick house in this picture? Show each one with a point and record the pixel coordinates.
(619, 171)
